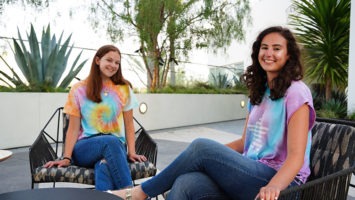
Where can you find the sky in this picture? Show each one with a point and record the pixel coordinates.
(264, 13)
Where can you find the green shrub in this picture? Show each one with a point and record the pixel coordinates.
(333, 109)
(200, 88)
(351, 116)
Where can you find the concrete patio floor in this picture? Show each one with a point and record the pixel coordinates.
(15, 172)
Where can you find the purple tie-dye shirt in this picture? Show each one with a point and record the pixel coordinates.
(266, 133)
(104, 117)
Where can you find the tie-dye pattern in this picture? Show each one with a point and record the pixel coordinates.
(104, 117)
(266, 134)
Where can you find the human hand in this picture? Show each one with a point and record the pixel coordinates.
(59, 163)
(269, 192)
(137, 158)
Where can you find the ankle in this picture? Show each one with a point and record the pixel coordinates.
(138, 193)
(135, 193)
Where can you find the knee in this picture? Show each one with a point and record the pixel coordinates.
(101, 167)
(112, 146)
(199, 144)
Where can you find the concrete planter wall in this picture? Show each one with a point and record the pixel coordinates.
(175, 110)
(24, 114)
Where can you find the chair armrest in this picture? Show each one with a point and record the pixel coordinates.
(336, 121)
(333, 186)
(146, 146)
(41, 152)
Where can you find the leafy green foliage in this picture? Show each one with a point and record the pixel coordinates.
(332, 109)
(336, 107)
(169, 29)
(43, 63)
(200, 88)
(221, 80)
(8, 80)
(351, 116)
(39, 4)
(323, 28)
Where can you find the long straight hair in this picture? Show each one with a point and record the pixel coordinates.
(94, 80)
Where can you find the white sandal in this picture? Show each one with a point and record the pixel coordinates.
(128, 193)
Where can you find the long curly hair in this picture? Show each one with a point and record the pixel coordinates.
(94, 80)
(255, 77)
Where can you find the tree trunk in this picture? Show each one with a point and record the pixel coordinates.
(172, 73)
(150, 67)
(165, 73)
(328, 89)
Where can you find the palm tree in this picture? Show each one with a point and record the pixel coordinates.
(323, 28)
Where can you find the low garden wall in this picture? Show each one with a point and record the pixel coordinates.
(24, 114)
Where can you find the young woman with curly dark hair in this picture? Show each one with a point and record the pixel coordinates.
(256, 77)
(273, 152)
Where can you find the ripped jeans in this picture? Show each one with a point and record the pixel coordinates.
(108, 156)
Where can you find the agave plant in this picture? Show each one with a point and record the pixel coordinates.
(7, 79)
(44, 63)
(220, 80)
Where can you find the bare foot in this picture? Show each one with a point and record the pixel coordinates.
(135, 192)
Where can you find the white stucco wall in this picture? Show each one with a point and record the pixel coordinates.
(23, 115)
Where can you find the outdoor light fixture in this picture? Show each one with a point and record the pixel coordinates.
(143, 107)
(242, 103)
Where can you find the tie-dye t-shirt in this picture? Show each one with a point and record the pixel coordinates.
(103, 117)
(266, 133)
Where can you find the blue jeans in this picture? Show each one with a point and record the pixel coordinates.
(108, 156)
(210, 170)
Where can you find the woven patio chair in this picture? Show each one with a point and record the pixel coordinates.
(46, 148)
(339, 121)
(332, 163)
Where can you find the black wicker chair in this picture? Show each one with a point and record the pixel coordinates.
(332, 163)
(339, 121)
(46, 148)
